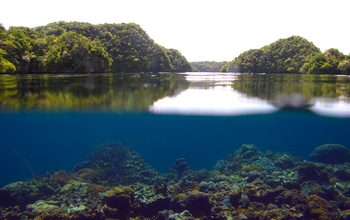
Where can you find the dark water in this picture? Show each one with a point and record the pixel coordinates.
(54, 136)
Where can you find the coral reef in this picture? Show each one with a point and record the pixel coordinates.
(60, 177)
(113, 163)
(247, 185)
(331, 154)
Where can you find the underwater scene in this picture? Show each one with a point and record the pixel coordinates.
(175, 146)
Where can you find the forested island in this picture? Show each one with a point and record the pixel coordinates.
(207, 66)
(291, 55)
(77, 47)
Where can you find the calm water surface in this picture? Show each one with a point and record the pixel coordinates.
(54, 121)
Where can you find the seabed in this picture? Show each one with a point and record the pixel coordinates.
(115, 182)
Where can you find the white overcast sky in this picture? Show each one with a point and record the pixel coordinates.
(201, 30)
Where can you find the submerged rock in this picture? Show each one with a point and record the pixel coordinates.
(198, 204)
(160, 187)
(248, 151)
(118, 198)
(24, 193)
(285, 162)
(267, 165)
(314, 171)
(6, 198)
(331, 154)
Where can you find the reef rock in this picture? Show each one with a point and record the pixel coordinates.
(24, 193)
(198, 204)
(119, 199)
(249, 151)
(314, 171)
(331, 154)
(6, 198)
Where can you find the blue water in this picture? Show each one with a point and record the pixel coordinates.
(54, 141)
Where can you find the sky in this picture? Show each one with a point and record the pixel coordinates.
(201, 30)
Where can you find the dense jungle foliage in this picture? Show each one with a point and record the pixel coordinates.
(291, 55)
(83, 47)
(208, 66)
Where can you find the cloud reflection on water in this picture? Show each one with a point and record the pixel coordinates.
(212, 94)
(225, 101)
(331, 107)
(217, 100)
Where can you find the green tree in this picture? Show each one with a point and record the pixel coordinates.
(72, 52)
(316, 63)
(178, 62)
(344, 66)
(208, 66)
(17, 42)
(131, 49)
(83, 47)
(327, 62)
(5, 65)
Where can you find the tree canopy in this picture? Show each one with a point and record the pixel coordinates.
(331, 61)
(208, 66)
(83, 47)
(291, 55)
(283, 56)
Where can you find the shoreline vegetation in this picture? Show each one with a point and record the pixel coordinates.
(78, 47)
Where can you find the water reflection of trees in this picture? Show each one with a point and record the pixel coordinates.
(269, 86)
(110, 92)
(136, 92)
